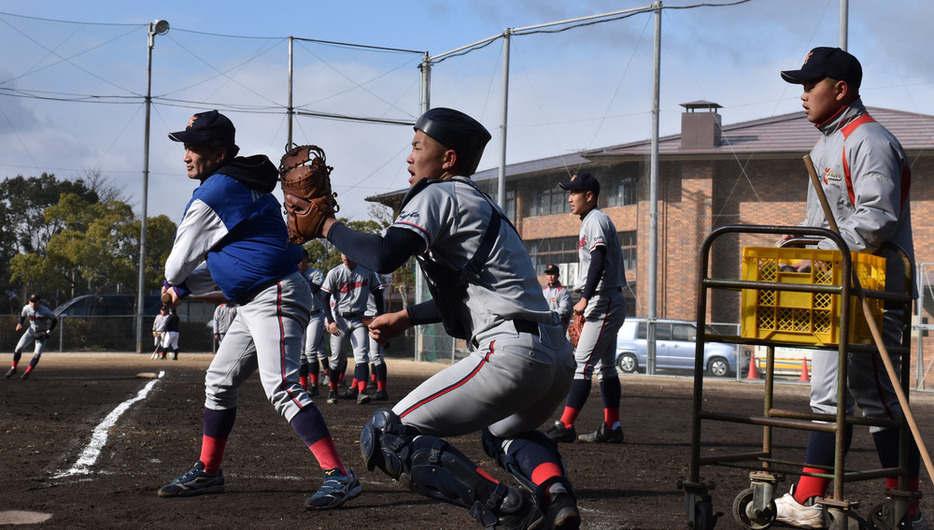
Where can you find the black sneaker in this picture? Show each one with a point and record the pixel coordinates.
(10, 373)
(333, 398)
(350, 393)
(313, 391)
(604, 435)
(25, 376)
(562, 513)
(194, 482)
(560, 434)
(381, 395)
(336, 490)
(363, 398)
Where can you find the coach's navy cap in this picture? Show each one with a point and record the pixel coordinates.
(458, 131)
(827, 62)
(582, 182)
(207, 126)
(34, 297)
(552, 269)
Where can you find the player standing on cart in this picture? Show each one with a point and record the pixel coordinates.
(866, 179)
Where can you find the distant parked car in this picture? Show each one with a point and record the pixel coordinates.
(675, 346)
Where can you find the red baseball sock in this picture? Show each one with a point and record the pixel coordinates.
(569, 416)
(326, 454)
(808, 487)
(212, 452)
(611, 417)
(914, 484)
(302, 380)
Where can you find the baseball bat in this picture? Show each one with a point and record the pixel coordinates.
(874, 328)
(213, 296)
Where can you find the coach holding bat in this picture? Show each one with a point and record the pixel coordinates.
(233, 237)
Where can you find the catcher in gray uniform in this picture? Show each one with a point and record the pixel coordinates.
(557, 295)
(350, 285)
(600, 280)
(41, 322)
(485, 291)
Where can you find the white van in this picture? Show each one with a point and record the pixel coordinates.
(675, 346)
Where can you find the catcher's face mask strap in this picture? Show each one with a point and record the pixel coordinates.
(458, 131)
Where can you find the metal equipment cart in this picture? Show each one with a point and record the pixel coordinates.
(754, 507)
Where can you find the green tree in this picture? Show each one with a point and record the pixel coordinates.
(95, 250)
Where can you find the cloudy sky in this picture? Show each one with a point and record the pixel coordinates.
(73, 77)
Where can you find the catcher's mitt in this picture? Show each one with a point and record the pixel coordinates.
(306, 188)
(574, 330)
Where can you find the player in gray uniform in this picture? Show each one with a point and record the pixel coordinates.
(485, 291)
(378, 369)
(312, 352)
(558, 297)
(158, 328)
(233, 237)
(600, 280)
(866, 179)
(224, 314)
(350, 286)
(41, 322)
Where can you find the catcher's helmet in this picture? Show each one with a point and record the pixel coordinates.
(458, 131)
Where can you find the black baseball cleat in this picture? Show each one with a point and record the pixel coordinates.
(333, 398)
(603, 435)
(11, 372)
(350, 393)
(25, 376)
(381, 395)
(561, 434)
(194, 482)
(313, 391)
(562, 513)
(518, 512)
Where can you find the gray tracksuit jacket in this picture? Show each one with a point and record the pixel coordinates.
(866, 177)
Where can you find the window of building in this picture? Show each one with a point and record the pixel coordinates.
(548, 201)
(622, 190)
(628, 243)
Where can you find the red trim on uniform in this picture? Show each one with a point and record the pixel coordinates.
(600, 336)
(457, 384)
(282, 355)
(487, 476)
(847, 130)
(420, 229)
(876, 373)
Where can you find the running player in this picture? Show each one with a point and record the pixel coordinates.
(41, 322)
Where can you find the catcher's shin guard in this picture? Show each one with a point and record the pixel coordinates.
(432, 467)
(505, 450)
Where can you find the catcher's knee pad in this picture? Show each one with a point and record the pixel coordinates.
(386, 443)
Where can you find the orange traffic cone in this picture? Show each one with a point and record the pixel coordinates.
(804, 370)
(753, 369)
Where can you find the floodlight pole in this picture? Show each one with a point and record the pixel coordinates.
(291, 109)
(652, 284)
(159, 27)
(501, 181)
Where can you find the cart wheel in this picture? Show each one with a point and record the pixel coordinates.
(704, 518)
(879, 518)
(742, 511)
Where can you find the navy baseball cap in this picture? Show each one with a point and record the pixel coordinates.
(458, 131)
(552, 269)
(34, 297)
(827, 62)
(207, 126)
(582, 182)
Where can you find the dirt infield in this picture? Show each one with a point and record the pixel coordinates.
(50, 421)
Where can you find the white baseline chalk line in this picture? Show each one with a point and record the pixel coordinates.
(99, 437)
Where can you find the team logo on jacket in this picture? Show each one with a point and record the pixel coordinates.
(829, 175)
(582, 243)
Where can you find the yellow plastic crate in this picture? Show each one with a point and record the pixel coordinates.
(806, 318)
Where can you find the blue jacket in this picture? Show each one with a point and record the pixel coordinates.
(232, 235)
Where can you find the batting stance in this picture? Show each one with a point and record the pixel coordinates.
(41, 323)
(233, 237)
(485, 290)
(600, 280)
(312, 352)
(350, 286)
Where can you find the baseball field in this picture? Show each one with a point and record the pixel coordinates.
(90, 437)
